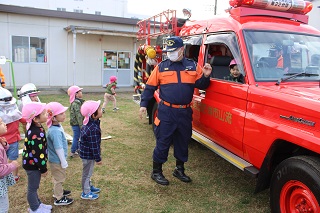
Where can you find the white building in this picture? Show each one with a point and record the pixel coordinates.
(116, 8)
(314, 15)
(57, 48)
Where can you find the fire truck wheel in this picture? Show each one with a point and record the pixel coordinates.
(154, 113)
(295, 185)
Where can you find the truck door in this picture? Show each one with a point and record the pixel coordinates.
(220, 110)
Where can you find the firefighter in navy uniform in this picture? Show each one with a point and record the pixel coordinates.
(176, 77)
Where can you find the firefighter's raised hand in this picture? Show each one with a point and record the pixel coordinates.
(206, 70)
(142, 111)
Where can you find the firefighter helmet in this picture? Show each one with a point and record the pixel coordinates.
(151, 53)
(6, 97)
(28, 89)
(8, 109)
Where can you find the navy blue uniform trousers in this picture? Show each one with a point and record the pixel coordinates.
(175, 128)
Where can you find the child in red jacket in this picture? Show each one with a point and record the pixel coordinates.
(11, 116)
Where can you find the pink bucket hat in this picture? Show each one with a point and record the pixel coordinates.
(72, 92)
(31, 110)
(233, 62)
(53, 109)
(88, 108)
(113, 79)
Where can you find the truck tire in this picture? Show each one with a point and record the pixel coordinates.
(154, 113)
(295, 185)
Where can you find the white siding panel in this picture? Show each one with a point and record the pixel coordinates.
(4, 50)
(58, 57)
(59, 69)
(56, 22)
(28, 20)
(19, 29)
(84, 23)
(4, 17)
(39, 74)
(21, 74)
(88, 60)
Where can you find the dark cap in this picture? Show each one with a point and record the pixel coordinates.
(276, 47)
(173, 43)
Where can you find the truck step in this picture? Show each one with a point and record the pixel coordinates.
(232, 158)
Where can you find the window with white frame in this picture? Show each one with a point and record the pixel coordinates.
(124, 60)
(29, 49)
(110, 59)
(117, 60)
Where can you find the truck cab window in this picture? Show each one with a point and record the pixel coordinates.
(219, 57)
(192, 52)
(221, 49)
(192, 47)
(275, 55)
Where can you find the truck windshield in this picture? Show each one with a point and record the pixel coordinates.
(276, 55)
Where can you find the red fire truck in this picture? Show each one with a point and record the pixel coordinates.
(269, 125)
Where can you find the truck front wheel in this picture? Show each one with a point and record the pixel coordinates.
(295, 185)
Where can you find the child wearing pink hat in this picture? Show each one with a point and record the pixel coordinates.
(57, 152)
(235, 74)
(34, 155)
(76, 118)
(6, 169)
(110, 94)
(90, 151)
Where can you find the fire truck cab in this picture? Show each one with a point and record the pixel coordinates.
(268, 125)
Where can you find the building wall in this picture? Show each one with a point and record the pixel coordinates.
(59, 69)
(106, 7)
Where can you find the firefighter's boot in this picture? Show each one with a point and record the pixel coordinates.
(157, 175)
(179, 172)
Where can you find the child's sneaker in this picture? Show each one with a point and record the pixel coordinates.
(103, 110)
(63, 201)
(75, 154)
(40, 210)
(65, 193)
(89, 196)
(94, 189)
(115, 109)
(45, 206)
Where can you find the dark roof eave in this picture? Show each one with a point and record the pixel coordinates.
(98, 31)
(66, 15)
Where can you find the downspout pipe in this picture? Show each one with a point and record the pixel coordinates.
(74, 53)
